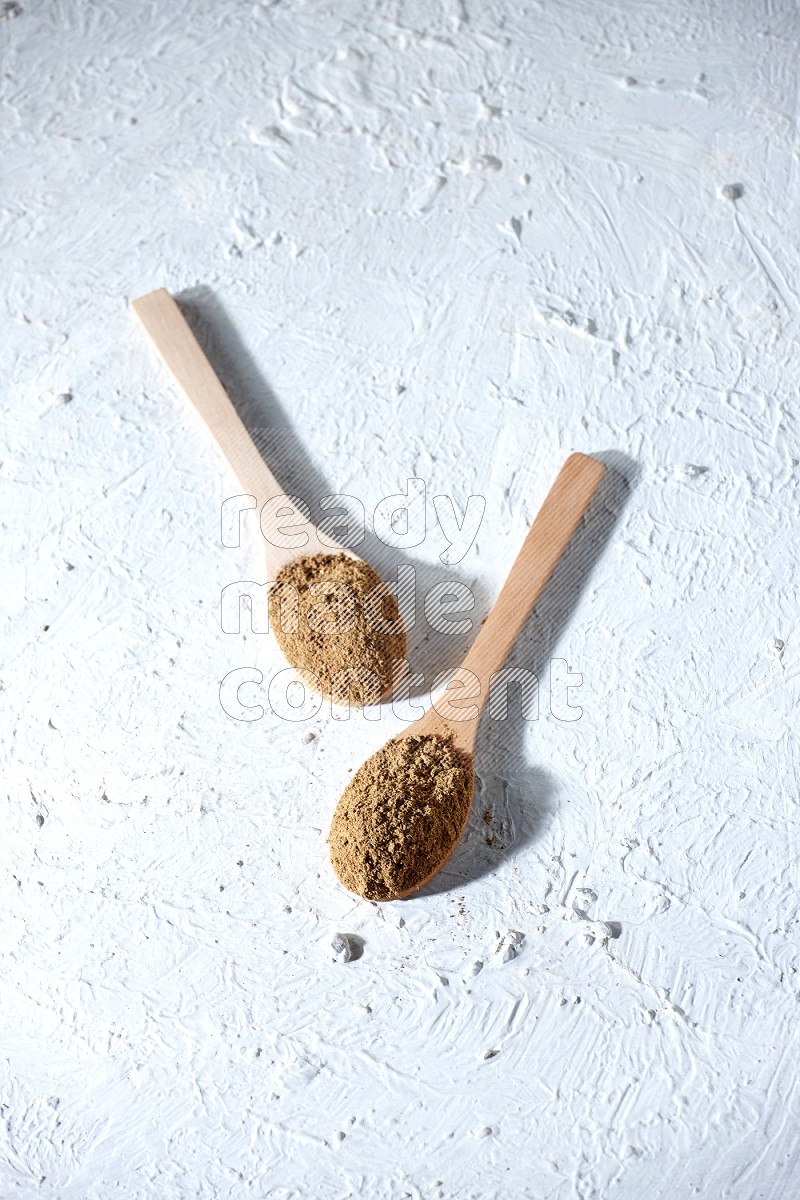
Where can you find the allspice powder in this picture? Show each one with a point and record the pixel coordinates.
(338, 625)
(401, 816)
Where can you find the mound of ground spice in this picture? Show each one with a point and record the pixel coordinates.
(401, 816)
(338, 626)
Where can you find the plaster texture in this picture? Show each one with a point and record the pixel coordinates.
(451, 242)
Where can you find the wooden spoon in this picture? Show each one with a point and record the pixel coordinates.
(181, 353)
(456, 714)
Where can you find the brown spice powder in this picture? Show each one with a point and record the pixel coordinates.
(401, 816)
(338, 626)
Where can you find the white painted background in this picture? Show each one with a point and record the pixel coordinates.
(512, 212)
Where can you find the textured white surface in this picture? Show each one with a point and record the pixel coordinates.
(516, 213)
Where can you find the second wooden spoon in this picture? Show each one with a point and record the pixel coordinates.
(403, 813)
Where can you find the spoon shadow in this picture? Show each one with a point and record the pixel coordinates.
(430, 649)
(512, 796)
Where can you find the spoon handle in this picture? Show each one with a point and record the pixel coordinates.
(180, 351)
(555, 523)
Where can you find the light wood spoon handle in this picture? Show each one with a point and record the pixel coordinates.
(555, 523)
(546, 540)
(180, 351)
